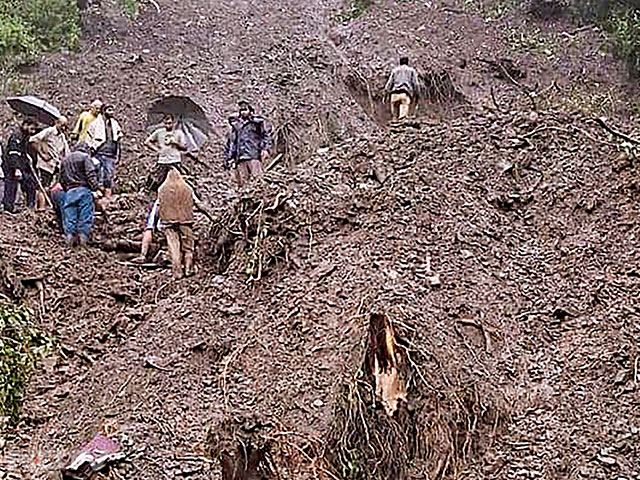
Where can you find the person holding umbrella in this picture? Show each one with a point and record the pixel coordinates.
(169, 143)
(51, 146)
(17, 167)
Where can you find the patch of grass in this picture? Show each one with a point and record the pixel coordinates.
(532, 41)
(355, 9)
(22, 344)
(590, 101)
(623, 23)
(130, 7)
(620, 18)
(501, 9)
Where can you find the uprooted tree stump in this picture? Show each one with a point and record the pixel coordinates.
(428, 429)
(385, 364)
(258, 231)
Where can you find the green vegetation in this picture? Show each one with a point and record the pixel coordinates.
(28, 27)
(130, 7)
(623, 22)
(22, 344)
(355, 9)
(620, 18)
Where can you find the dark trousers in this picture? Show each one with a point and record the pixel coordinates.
(11, 181)
(159, 174)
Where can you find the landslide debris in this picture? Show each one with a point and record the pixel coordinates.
(500, 244)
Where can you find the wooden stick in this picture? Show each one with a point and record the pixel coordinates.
(273, 163)
(42, 190)
(600, 121)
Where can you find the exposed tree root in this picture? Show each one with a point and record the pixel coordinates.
(258, 230)
(439, 425)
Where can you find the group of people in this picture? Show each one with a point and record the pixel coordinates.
(76, 181)
(49, 172)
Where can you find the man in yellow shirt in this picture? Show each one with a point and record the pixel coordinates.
(85, 119)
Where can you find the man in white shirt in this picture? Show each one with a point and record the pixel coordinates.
(169, 143)
(51, 146)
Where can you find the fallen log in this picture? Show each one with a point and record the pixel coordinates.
(124, 246)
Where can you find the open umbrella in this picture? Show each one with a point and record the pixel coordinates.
(34, 107)
(190, 118)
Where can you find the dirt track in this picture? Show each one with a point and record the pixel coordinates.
(528, 219)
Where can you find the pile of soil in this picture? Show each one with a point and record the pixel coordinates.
(499, 242)
(535, 265)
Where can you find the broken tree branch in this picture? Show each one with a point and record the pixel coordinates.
(600, 121)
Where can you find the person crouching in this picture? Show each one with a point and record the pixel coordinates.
(79, 178)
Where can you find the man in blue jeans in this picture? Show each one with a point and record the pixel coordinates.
(79, 178)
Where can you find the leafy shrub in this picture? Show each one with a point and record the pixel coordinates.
(355, 9)
(30, 26)
(620, 18)
(624, 25)
(22, 344)
(130, 7)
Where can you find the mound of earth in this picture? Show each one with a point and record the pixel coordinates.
(508, 275)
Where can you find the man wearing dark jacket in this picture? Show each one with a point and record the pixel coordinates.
(248, 144)
(79, 178)
(17, 169)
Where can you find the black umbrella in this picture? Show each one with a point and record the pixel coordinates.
(189, 115)
(34, 107)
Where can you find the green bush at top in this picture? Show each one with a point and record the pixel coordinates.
(22, 344)
(355, 9)
(623, 23)
(130, 7)
(30, 26)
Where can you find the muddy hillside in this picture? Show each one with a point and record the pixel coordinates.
(452, 296)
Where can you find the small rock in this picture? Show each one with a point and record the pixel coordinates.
(318, 403)
(434, 281)
(606, 460)
(621, 377)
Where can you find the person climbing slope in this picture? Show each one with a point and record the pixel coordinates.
(154, 225)
(175, 211)
(403, 88)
